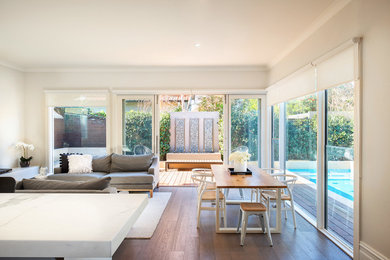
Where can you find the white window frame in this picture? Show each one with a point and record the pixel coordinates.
(49, 123)
(117, 122)
(263, 144)
(320, 220)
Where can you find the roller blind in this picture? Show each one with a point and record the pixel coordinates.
(297, 85)
(333, 69)
(336, 70)
(76, 99)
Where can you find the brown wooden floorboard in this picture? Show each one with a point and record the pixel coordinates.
(177, 237)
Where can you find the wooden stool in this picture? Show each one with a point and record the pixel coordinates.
(247, 209)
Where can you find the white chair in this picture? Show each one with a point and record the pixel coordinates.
(270, 171)
(247, 209)
(287, 195)
(208, 193)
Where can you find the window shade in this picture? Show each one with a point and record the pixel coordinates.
(76, 99)
(333, 69)
(336, 70)
(297, 85)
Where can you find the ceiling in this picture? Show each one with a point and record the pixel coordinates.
(116, 33)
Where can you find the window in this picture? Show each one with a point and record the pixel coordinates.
(275, 137)
(339, 161)
(137, 123)
(245, 126)
(78, 130)
(301, 150)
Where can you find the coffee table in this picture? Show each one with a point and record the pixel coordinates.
(73, 226)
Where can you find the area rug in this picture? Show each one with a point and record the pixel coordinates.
(147, 222)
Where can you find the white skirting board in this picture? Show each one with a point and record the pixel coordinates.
(369, 253)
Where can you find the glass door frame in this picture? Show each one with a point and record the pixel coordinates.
(321, 219)
(118, 138)
(262, 144)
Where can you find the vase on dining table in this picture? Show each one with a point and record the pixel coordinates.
(240, 166)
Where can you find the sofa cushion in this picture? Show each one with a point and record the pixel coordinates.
(64, 164)
(80, 163)
(101, 163)
(36, 184)
(130, 163)
(130, 177)
(76, 177)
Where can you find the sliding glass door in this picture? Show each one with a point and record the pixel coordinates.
(339, 156)
(321, 154)
(137, 124)
(301, 150)
(245, 125)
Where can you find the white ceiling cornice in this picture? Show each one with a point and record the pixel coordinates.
(153, 69)
(11, 66)
(328, 13)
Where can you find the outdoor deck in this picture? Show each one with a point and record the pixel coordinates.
(340, 216)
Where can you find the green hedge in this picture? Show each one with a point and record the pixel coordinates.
(165, 135)
(138, 129)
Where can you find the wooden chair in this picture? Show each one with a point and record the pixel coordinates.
(207, 193)
(287, 195)
(247, 209)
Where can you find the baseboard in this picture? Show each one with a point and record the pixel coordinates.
(369, 253)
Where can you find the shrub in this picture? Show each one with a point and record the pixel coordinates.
(165, 135)
(138, 130)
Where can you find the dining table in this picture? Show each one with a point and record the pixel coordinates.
(259, 179)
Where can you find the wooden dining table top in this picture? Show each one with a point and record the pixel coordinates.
(258, 179)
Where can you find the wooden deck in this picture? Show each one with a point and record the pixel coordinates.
(172, 178)
(340, 216)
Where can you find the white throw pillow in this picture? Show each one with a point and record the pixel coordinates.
(80, 163)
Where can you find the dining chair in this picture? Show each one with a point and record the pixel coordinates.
(270, 171)
(287, 195)
(205, 174)
(207, 193)
(247, 209)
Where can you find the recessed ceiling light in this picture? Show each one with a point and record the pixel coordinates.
(197, 45)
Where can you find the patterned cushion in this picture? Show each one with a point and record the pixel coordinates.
(64, 163)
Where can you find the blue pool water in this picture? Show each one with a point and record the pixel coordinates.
(339, 181)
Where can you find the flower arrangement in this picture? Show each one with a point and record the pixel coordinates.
(25, 149)
(239, 157)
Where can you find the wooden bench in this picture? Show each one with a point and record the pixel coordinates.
(192, 160)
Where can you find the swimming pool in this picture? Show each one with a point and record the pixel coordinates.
(339, 180)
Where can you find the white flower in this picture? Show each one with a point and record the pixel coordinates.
(20, 145)
(239, 157)
(24, 148)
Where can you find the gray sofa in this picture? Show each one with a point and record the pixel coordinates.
(96, 186)
(127, 172)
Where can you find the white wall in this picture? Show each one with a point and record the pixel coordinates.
(156, 79)
(11, 115)
(370, 19)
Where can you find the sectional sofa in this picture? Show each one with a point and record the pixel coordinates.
(127, 172)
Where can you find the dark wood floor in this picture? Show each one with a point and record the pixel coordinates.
(177, 237)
